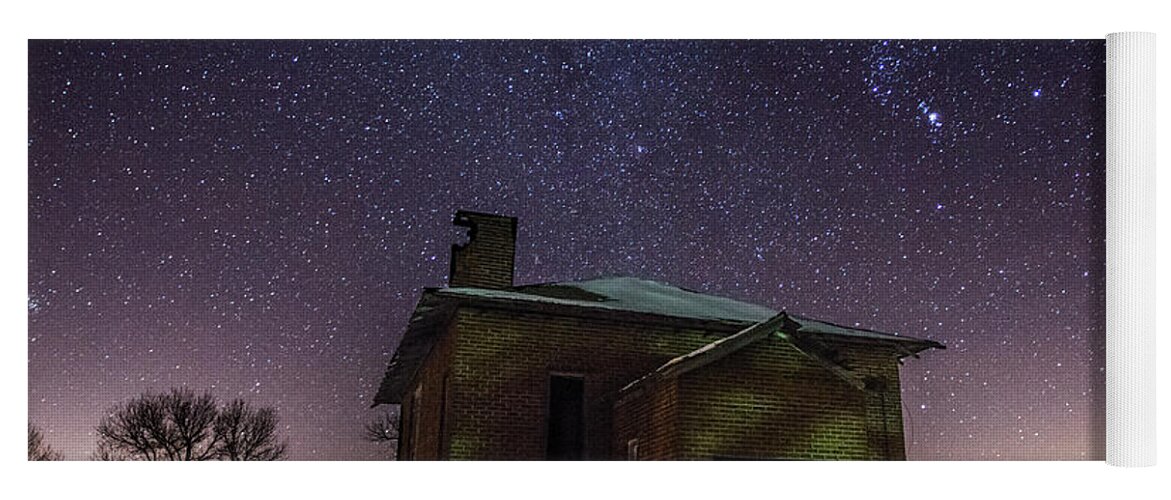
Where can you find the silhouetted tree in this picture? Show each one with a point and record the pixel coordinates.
(385, 428)
(38, 449)
(179, 425)
(244, 433)
(106, 452)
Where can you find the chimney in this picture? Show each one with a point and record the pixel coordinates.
(486, 260)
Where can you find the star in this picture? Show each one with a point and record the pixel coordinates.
(265, 214)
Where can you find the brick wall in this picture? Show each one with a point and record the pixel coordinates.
(768, 400)
(631, 421)
(502, 363)
(649, 414)
(884, 405)
(486, 385)
(426, 406)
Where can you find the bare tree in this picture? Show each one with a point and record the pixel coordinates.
(170, 426)
(38, 449)
(107, 452)
(385, 428)
(179, 425)
(244, 433)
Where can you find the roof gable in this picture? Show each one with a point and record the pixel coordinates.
(644, 300)
(784, 327)
(423, 330)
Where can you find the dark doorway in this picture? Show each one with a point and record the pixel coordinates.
(566, 438)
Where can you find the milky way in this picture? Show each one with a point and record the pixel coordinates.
(257, 219)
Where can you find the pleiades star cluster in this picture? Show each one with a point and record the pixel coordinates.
(257, 218)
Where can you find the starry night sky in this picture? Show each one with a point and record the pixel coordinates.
(257, 218)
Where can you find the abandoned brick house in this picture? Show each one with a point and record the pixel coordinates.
(624, 368)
